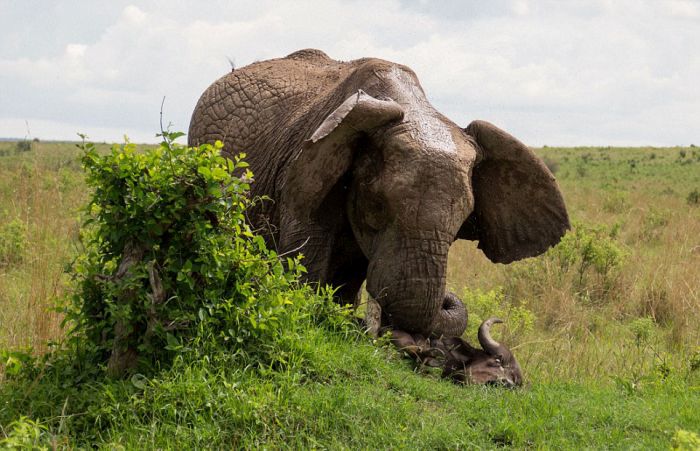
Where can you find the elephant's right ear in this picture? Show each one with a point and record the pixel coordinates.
(328, 154)
(519, 211)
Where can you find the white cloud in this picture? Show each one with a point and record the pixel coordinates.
(569, 73)
(684, 8)
(521, 7)
(133, 14)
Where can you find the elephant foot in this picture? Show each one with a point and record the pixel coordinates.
(452, 318)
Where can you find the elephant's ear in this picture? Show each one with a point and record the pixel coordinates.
(328, 154)
(519, 211)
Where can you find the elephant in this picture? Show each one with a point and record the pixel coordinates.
(370, 182)
(494, 364)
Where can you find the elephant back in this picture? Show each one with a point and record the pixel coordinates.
(267, 109)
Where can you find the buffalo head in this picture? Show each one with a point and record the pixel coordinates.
(494, 364)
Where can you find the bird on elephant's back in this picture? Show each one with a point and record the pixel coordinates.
(369, 181)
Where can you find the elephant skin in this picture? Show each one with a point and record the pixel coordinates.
(369, 181)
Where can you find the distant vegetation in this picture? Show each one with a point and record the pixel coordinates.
(606, 325)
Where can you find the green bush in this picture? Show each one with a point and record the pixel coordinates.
(593, 255)
(25, 433)
(587, 262)
(642, 329)
(171, 266)
(693, 197)
(24, 146)
(616, 202)
(13, 242)
(685, 441)
(653, 225)
(481, 305)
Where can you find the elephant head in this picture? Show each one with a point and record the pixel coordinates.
(494, 364)
(413, 182)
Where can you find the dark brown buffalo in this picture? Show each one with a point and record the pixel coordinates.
(495, 364)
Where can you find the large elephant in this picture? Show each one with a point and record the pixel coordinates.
(369, 181)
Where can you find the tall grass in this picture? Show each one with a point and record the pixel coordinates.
(42, 189)
(637, 197)
(605, 327)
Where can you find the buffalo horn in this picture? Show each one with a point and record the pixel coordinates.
(487, 343)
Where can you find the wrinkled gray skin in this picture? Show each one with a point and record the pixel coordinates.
(495, 364)
(370, 181)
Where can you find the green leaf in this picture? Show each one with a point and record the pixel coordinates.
(139, 381)
(173, 342)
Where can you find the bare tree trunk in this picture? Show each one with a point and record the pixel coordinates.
(373, 317)
(123, 356)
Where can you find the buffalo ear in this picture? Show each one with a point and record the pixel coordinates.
(519, 211)
(328, 154)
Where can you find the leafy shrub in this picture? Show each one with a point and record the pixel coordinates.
(23, 146)
(654, 222)
(25, 433)
(13, 242)
(519, 320)
(685, 441)
(694, 360)
(693, 197)
(587, 262)
(642, 329)
(616, 202)
(593, 255)
(171, 266)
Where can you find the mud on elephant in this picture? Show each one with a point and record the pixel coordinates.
(369, 181)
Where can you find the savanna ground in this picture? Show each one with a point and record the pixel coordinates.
(606, 327)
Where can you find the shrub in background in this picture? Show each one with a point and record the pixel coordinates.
(592, 254)
(653, 224)
(693, 197)
(616, 202)
(685, 441)
(13, 242)
(587, 263)
(481, 305)
(24, 146)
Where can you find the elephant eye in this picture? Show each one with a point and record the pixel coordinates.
(374, 220)
(374, 213)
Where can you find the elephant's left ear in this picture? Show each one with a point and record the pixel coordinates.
(519, 211)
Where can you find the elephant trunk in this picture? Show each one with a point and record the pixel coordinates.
(451, 320)
(408, 281)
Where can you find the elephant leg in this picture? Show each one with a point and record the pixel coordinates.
(347, 265)
(311, 241)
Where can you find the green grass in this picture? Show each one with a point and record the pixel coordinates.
(353, 395)
(615, 368)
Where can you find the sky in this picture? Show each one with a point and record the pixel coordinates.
(557, 73)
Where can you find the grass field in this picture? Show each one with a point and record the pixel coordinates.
(606, 327)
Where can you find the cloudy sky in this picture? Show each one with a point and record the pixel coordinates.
(579, 72)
